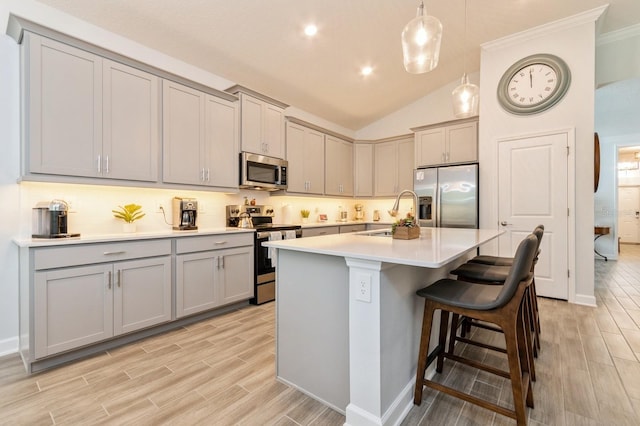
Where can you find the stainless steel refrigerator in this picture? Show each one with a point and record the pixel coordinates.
(447, 196)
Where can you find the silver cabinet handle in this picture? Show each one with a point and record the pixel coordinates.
(118, 277)
(99, 163)
(218, 262)
(208, 174)
(110, 253)
(222, 257)
(504, 223)
(218, 243)
(109, 280)
(107, 165)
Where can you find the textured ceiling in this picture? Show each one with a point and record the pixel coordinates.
(259, 43)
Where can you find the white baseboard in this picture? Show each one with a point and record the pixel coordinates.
(9, 346)
(583, 299)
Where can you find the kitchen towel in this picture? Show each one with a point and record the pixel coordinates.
(273, 236)
(290, 235)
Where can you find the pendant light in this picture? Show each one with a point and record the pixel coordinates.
(421, 42)
(465, 96)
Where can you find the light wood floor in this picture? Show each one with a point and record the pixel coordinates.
(221, 372)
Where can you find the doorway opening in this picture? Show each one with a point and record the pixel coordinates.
(628, 191)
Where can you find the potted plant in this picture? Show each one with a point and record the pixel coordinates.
(406, 229)
(305, 215)
(129, 213)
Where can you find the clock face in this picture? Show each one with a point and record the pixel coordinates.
(533, 84)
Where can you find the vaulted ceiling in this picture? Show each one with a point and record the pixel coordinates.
(260, 43)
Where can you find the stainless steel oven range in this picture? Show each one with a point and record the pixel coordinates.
(264, 266)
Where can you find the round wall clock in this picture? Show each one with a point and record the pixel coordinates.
(534, 84)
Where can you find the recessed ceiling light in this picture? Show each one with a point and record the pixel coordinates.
(365, 71)
(310, 30)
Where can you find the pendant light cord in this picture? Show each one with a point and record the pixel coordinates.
(464, 44)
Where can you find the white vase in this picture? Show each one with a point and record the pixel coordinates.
(129, 227)
(305, 219)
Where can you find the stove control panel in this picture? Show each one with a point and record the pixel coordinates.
(254, 211)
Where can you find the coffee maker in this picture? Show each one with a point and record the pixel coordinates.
(50, 220)
(359, 212)
(185, 211)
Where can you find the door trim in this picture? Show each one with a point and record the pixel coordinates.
(571, 203)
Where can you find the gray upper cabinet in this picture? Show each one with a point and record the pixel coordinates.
(88, 116)
(262, 127)
(131, 123)
(200, 138)
(393, 166)
(305, 154)
(338, 169)
(453, 143)
(64, 109)
(363, 169)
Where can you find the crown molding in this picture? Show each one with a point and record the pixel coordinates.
(619, 35)
(582, 18)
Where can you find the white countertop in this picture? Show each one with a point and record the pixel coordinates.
(106, 238)
(435, 247)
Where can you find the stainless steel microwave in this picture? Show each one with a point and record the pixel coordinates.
(262, 172)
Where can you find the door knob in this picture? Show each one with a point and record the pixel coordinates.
(504, 223)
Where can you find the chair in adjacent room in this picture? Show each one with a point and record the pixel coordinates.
(499, 305)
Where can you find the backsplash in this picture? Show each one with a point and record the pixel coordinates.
(91, 205)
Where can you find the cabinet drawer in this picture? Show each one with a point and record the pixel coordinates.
(324, 230)
(84, 254)
(212, 242)
(352, 228)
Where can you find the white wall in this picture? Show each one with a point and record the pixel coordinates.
(616, 59)
(436, 107)
(9, 192)
(573, 40)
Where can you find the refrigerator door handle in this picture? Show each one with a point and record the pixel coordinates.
(438, 209)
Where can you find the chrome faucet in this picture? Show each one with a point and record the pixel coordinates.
(394, 210)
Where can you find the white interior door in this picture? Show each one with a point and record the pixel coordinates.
(532, 190)
(629, 214)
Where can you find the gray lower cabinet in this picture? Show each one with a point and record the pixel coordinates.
(85, 294)
(213, 271)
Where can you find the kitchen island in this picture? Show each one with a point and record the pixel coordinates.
(348, 320)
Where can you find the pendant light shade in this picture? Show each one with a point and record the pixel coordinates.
(465, 99)
(465, 96)
(421, 39)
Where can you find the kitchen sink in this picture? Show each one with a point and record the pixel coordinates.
(379, 233)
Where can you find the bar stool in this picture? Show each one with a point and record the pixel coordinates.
(507, 261)
(494, 270)
(499, 305)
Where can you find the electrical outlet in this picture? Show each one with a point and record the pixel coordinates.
(159, 207)
(363, 292)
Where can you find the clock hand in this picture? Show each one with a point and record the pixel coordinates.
(530, 77)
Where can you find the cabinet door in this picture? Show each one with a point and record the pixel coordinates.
(430, 147)
(462, 143)
(314, 161)
(64, 86)
(142, 294)
(221, 142)
(72, 307)
(252, 138)
(236, 275)
(386, 169)
(183, 134)
(338, 167)
(196, 275)
(131, 141)
(273, 130)
(405, 164)
(363, 159)
(296, 157)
